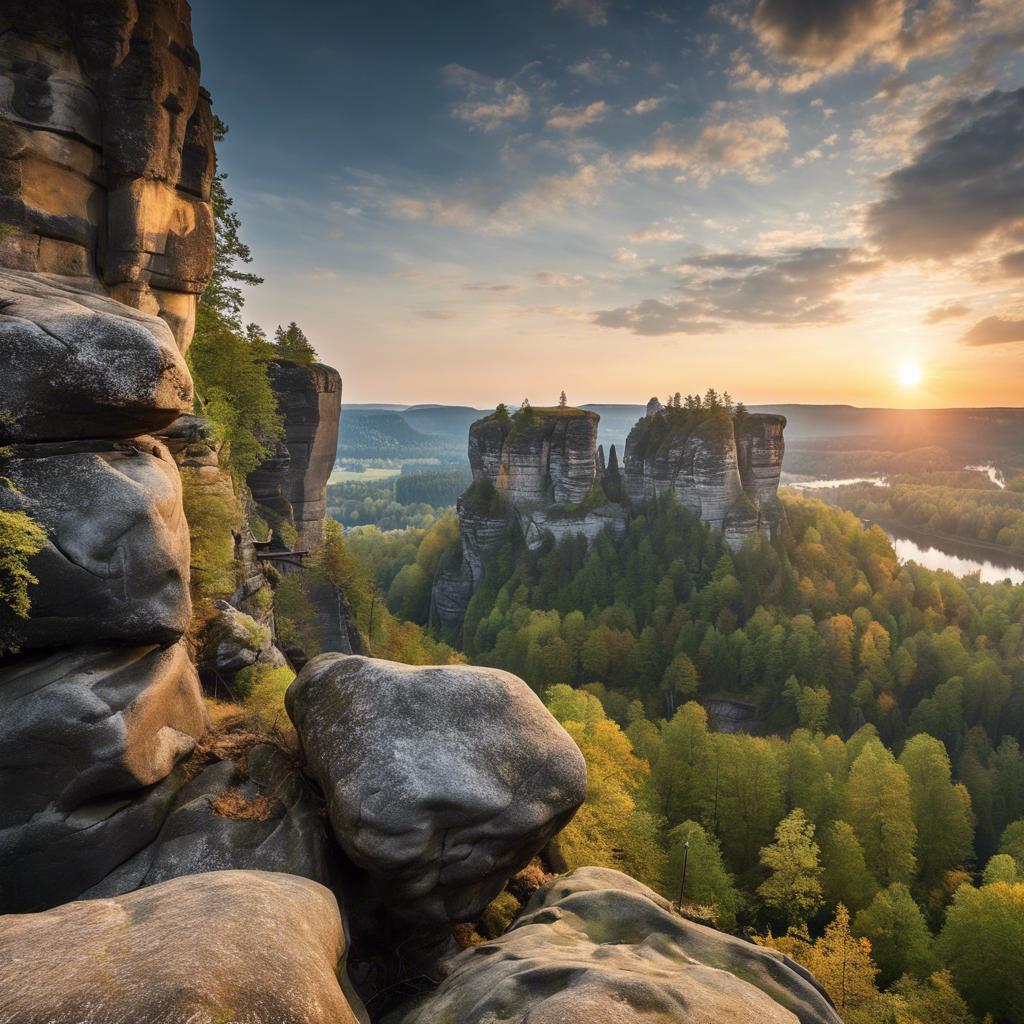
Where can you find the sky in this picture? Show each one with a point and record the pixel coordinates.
(790, 200)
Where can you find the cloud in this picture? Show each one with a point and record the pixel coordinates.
(743, 75)
(645, 106)
(600, 67)
(964, 185)
(656, 233)
(793, 287)
(437, 211)
(571, 119)
(1012, 263)
(825, 37)
(593, 12)
(653, 317)
(485, 286)
(994, 330)
(737, 147)
(951, 312)
(489, 102)
(435, 314)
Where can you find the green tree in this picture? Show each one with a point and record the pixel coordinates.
(942, 810)
(680, 680)
(1001, 868)
(900, 940)
(292, 344)
(1012, 842)
(878, 806)
(982, 943)
(708, 883)
(846, 878)
(794, 884)
(21, 538)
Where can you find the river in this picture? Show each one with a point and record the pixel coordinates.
(959, 557)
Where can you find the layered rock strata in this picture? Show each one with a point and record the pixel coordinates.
(723, 468)
(292, 483)
(596, 945)
(182, 951)
(441, 782)
(106, 159)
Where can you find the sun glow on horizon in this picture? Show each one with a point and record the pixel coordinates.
(910, 375)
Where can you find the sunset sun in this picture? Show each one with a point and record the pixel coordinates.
(910, 375)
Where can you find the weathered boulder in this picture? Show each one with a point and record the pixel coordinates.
(246, 946)
(116, 561)
(79, 364)
(233, 640)
(598, 946)
(107, 153)
(88, 741)
(292, 483)
(441, 782)
(256, 812)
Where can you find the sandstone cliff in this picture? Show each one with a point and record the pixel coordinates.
(107, 158)
(722, 467)
(292, 484)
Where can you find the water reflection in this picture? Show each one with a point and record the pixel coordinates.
(961, 562)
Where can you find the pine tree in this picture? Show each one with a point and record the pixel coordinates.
(562, 400)
(292, 344)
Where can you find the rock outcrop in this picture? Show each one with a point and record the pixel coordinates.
(225, 946)
(441, 782)
(598, 946)
(292, 484)
(88, 739)
(105, 169)
(722, 467)
(107, 151)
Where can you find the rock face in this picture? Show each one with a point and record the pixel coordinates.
(106, 159)
(88, 739)
(108, 150)
(540, 470)
(600, 947)
(722, 468)
(77, 364)
(441, 782)
(115, 565)
(255, 812)
(292, 484)
(224, 946)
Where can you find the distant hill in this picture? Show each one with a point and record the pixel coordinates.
(375, 434)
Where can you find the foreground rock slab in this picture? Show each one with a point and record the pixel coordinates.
(88, 741)
(441, 782)
(597, 946)
(243, 946)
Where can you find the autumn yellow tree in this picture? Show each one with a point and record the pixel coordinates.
(843, 963)
(794, 885)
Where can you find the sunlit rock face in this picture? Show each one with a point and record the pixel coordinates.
(597, 946)
(723, 469)
(292, 483)
(107, 143)
(551, 459)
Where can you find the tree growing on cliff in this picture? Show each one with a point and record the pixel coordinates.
(292, 344)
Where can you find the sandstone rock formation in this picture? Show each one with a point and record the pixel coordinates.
(441, 782)
(598, 946)
(234, 641)
(107, 151)
(224, 946)
(105, 169)
(724, 469)
(254, 811)
(292, 484)
(88, 739)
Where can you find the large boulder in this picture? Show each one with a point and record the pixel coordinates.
(255, 812)
(78, 364)
(441, 782)
(600, 947)
(88, 741)
(116, 561)
(233, 640)
(243, 946)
